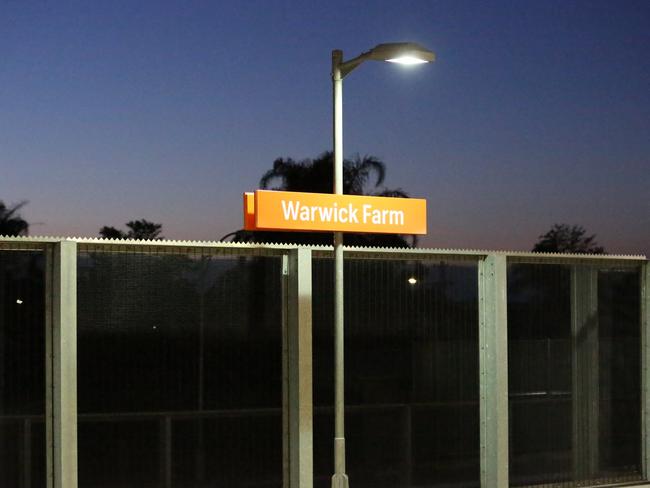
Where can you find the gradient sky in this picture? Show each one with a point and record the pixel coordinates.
(535, 113)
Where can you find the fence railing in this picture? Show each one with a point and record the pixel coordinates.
(171, 333)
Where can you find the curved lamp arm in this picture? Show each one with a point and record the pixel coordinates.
(394, 52)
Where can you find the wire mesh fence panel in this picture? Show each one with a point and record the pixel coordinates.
(574, 375)
(411, 362)
(22, 369)
(180, 370)
(619, 374)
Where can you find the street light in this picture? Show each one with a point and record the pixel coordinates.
(406, 53)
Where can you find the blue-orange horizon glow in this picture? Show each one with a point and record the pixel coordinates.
(533, 113)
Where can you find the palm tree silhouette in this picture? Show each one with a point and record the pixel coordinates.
(361, 176)
(138, 229)
(11, 223)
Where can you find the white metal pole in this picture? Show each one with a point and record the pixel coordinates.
(493, 364)
(339, 479)
(61, 366)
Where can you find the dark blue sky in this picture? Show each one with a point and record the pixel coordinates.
(534, 113)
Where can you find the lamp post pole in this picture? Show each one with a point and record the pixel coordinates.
(340, 478)
(401, 53)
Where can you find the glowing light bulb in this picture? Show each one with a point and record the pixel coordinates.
(407, 60)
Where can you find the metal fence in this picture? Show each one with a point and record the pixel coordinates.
(189, 364)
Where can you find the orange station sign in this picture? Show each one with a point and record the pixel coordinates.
(325, 212)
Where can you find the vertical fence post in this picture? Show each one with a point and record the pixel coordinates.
(585, 358)
(645, 369)
(297, 369)
(61, 365)
(27, 454)
(165, 452)
(407, 447)
(493, 357)
(285, 373)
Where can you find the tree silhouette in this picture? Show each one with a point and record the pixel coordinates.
(568, 239)
(138, 229)
(361, 176)
(11, 223)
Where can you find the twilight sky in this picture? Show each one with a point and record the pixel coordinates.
(535, 113)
